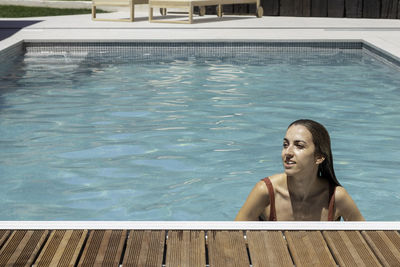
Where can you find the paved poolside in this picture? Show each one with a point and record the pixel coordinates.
(380, 33)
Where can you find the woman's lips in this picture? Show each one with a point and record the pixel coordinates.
(289, 163)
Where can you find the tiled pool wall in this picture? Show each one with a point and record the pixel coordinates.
(381, 55)
(143, 49)
(10, 53)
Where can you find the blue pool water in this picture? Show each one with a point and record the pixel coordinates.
(185, 137)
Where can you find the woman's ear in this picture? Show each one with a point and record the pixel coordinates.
(319, 159)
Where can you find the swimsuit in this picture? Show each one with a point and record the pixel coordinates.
(272, 213)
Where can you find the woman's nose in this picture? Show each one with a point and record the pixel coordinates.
(289, 150)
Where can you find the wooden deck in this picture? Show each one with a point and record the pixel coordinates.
(174, 247)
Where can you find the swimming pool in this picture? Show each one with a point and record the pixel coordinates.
(182, 131)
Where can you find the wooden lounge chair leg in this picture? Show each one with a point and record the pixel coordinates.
(259, 10)
(93, 12)
(150, 14)
(190, 14)
(219, 11)
(202, 10)
(132, 11)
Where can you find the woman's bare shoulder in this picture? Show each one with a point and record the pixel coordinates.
(261, 187)
(345, 205)
(278, 179)
(341, 194)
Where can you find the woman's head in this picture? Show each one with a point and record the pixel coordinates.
(322, 145)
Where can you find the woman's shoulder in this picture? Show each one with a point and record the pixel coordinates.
(276, 180)
(345, 206)
(342, 198)
(341, 195)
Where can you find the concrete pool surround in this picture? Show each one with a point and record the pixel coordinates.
(381, 34)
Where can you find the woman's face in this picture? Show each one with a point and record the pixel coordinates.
(298, 152)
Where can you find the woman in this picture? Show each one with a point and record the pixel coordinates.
(308, 189)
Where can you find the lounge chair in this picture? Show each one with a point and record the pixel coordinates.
(190, 4)
(122, 3)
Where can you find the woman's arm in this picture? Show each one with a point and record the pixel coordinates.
(346, 207)
(255, 203)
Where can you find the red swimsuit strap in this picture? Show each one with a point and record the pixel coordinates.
(331, 211)
(272, 211)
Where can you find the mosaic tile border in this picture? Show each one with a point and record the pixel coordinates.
(206, 48)
(12, 52)
(187, 46)
(233, 52)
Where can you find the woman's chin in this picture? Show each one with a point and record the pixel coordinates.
(290, 171)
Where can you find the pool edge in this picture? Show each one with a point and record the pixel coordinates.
(199, 225)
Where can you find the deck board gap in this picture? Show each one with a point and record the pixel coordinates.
(330, 251)
(128, 232)
(164, 260)
(248, 254)
(372, 248)
(78, 259)
(288, 248)
(42, 246)
(206, 248)
(4, 238)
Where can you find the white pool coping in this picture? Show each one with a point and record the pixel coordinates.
(197, 225)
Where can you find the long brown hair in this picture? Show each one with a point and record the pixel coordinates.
(322, 143)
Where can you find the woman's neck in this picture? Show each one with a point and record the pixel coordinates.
(301, 188)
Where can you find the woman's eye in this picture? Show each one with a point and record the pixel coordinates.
(285, 145)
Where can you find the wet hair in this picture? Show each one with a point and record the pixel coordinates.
(322, 143)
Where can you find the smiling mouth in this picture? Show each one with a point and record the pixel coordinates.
(289, 162)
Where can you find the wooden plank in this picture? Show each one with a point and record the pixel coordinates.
(319, 8)
(3, 236)
(271, 7)
(336, 8)
(227, 248)
(286, 8)
(302, 8)
(22, 247)
(298, 8)
(308, 248)
(350, 249)
(386, 245)
(268, 248)
(144, 248)
(186, 248)
(398, 10)
(103, 248)
(306, 6)
(389, 9)
(371, 9)
(353, 8)
(62, 248)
